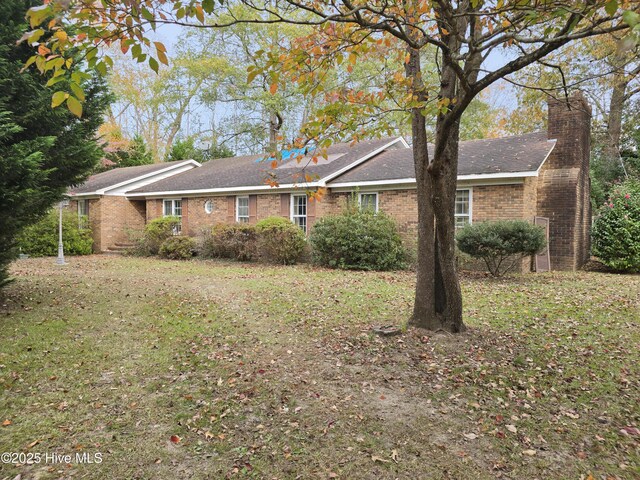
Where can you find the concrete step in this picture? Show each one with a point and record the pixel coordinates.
(119, 248)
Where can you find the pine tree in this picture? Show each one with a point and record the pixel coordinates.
(42, 150)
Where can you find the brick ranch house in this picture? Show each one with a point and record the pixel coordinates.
(520, 177)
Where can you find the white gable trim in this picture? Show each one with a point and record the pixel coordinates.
(119, 189)
(361, 160)
(555, 142)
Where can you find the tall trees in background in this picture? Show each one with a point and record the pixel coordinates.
(607, 70)
(42, 151)
(206, 100)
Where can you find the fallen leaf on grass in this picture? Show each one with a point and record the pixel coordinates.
(394, 455)
(175, 439)
(6, 423)
(375, 458)
(512, 428)
(628, 430)
(470, 436)
(529, 453)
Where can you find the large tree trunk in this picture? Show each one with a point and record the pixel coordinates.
(438, 299)
(448, 296)
(614, 123)
(424, 304)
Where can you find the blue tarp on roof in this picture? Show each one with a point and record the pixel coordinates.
(291, 153)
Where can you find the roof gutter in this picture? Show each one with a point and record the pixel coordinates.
(412, 180)
(204, 191)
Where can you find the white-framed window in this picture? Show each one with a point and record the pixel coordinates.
(368, 201)
(83, 213)
(242, 209)
(173, 208)
(463, 207)
(208, 207)
(299, 211)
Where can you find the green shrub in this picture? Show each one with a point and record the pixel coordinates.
(178, 247)
(357, 240)
(279, 240)
(616, 230)
(503, 244)
(41, 239)
(155, 233)
(237, 241)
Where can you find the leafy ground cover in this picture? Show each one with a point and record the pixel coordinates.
(223, 370)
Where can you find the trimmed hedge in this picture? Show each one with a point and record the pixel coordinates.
(237, 241)
(279, 240)
(178, 248)
(357, 240)
(502, 244)
(155, 233)
(616, 231)
(41, 239)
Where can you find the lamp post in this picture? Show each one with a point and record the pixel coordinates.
(60, 259)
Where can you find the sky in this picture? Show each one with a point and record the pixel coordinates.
(499, 96)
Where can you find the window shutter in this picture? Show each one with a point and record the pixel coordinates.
(184, 219)
(284, 205)
(231, 209)
(253, 208)
(311, 212)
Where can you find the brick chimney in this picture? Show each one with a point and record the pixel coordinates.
(564, 185)
(570, 124)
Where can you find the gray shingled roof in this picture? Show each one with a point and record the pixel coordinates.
(117, 176)
(252, 170)
(521, 153)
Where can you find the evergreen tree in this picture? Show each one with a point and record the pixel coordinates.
(136, 153)
(42, 150)
(187, 150)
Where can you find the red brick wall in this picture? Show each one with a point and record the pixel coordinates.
(113, 220)
(195, 219)
(154, 209)
(489, 202)
(498, 202)
(118, 219)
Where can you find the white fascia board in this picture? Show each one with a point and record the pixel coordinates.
(235, 190)
(82, 196)
(404, 142)
(486, 176)
(373, 183)
(412, 181)
(489, 176)
(147, 176)
(365, 158)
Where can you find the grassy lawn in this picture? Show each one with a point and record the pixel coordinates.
(224, 370)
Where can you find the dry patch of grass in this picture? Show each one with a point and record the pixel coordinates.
(224, 370)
